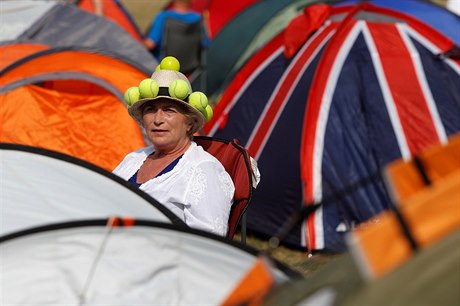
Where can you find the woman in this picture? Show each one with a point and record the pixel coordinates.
(177, 172)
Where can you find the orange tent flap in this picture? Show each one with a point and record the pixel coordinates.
(253, 286)
(380, 246)
(12, 52)
(96, 128)
(434, 212)
(116, 72)
(438, 161)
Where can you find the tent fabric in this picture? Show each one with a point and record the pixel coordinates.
(11, 52)
(78, 108)
(436, 16)
(436, 269)
(333, 99)
(18, 16)
(59, 62)
(410, 91)
(404, 178)
(423, 280)
(40, 187)
(430, 216)
(223, 52)
(220, 12)
(225, 59)
(82, 126)
(116, 12)
(65, 25)
(254, 285)
(103, 262)
(430, 210)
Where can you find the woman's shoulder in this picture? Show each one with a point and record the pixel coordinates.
(201, 155)
(202, 159)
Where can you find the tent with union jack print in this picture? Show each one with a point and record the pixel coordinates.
(327, 103)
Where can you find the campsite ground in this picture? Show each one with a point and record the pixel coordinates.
(143, 11)
(298, 261)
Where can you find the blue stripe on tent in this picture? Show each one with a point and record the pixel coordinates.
(354, 130)
(279, 164)
(445, 88)
(244, 115)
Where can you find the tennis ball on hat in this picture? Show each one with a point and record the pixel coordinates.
(131, 95)
(170, 63)
(178, 89)
(198, 100)
(148, 88)
(208, 112)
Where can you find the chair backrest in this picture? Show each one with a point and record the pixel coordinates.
(236, 161)
(185, 42)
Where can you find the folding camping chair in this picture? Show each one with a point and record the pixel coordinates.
(185, 41)
(236, 161)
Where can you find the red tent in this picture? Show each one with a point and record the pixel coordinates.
(113, 10)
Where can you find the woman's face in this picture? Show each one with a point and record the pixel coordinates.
(165, 124)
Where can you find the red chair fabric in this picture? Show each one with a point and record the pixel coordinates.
(236, 161)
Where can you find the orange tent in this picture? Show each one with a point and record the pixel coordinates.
(10, 53)
(427, 196)
(70, 101)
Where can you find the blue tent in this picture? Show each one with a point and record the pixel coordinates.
(331, 100)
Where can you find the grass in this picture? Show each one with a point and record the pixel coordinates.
(299, 261)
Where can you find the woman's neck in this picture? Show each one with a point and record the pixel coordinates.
(178, 150)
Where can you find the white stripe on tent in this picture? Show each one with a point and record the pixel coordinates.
(387, 96)
(430, 46)
(292, 87)
(415, 56)
(246, 84)
(321, 128)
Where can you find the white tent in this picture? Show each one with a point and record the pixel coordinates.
(39, 187)
(146, 263)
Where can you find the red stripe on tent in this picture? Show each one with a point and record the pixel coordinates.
(404, 86)
(269, 120)
(317, 91)
(239, 80)
(436, 37)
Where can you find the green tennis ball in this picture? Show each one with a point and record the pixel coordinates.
(178, 89)
(198, 100)
(131, 95)
(170, 63)
(158, 67)
(148, 88)
(208, 112)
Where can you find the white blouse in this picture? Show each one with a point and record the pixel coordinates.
(198, 189)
